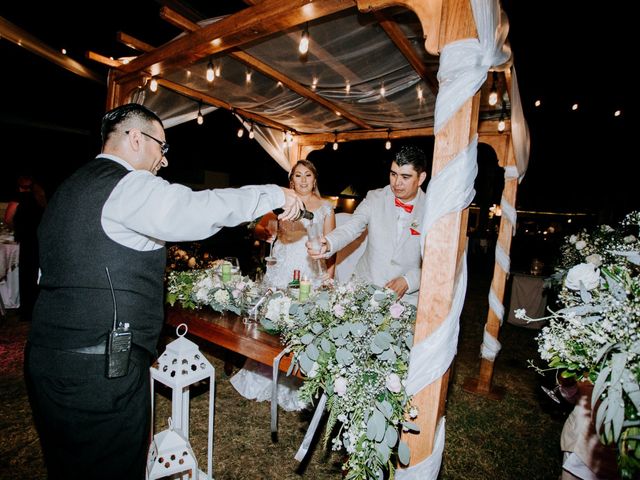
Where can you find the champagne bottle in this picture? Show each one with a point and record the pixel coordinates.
(303, 213)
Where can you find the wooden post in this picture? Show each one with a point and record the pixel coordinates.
(445, 243)
(482, 384)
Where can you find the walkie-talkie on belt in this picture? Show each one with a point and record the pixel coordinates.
(118, 342)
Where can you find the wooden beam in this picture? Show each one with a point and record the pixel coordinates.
(216, 102)
(482, 385)
(429, 13)
(404, 45)
(487, 130)
(24, 39)
(243, 57)
(133, 42)
(109, 62)
(241, 28)
(445, 242)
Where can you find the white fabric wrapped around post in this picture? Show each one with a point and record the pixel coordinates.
(458, 82)
(180, 366)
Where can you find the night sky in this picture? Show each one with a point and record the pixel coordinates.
(564, 52)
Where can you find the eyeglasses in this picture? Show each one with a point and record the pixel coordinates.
(164, 146)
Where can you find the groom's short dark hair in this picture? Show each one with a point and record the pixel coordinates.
(412, 155)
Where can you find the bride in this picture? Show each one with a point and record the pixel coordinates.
(253, 381)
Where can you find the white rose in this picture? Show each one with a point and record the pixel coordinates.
(393, 383)
(340, 386)
(580, 244)
(594, 258)
(586, 274)
(573, 239)
(629, 239)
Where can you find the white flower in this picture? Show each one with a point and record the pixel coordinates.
(520, 313)
(586, 274)
(573, 239)
(202, 295)
(413, 412)
(278, 309)
(396, 310)
(580, 244)
(221, 296)
(393, 383)
(594, 258)
(340, 386)
(629, 239)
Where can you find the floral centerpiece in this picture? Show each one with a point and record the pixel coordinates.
(353, 344)
(596, 335)
(199, 288)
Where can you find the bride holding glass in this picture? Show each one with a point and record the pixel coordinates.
(287, 254)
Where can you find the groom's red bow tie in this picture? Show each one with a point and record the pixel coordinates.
(407, 208)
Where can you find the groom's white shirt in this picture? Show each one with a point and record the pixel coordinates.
(388, 255)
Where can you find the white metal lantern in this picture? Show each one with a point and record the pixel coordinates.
(180, 366)
(170, 454)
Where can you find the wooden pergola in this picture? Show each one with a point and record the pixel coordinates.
(442, 22)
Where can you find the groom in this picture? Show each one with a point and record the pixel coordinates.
(393, 215)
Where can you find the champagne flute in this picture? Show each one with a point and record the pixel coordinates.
(272, 227)
(315, 231)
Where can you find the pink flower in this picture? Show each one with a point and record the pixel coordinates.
(340, 386)
(396, 310)
(236, 293)
(338, 310)
(393, 383)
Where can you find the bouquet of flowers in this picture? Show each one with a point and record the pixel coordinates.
(596, 335)
(198, 288)
(353, 343)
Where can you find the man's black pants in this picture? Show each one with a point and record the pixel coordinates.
(90, 427)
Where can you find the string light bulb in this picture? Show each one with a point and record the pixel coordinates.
(303, 47)
(153, 86)
(335, 141)
(200, 117)
(387, 144)
(493, 95)
(210, 72)
(240, 132)
(251, 132)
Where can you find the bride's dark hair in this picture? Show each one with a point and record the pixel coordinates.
(312, 168)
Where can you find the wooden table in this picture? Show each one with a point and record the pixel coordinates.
(230, 332)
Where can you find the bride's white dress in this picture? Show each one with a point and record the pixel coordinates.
(254, 380)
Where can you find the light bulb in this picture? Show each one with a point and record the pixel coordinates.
(154, 85)
(388, 145)
(382, 91)
(218, 70)
(347, 87)
(200, 119)
(251, 134)
(303, 47)
(248, 77)
(501, 126)
(240, 132)
(335, 145)
(210, 73)
(493, 97)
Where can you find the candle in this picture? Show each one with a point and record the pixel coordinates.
(226, 272)
(305, 289)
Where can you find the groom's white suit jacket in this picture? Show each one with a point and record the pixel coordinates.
(387, 255)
